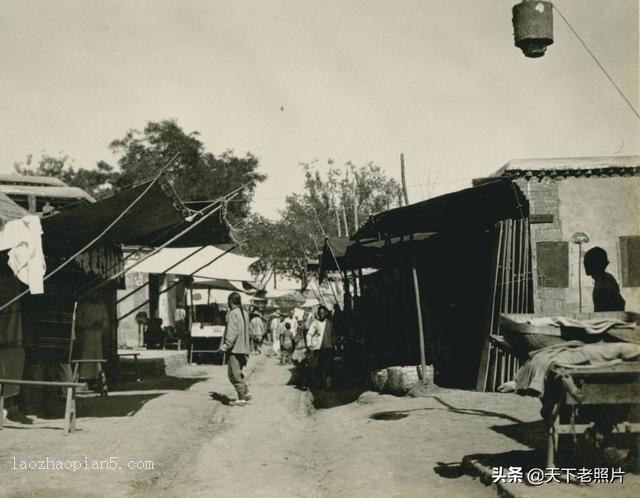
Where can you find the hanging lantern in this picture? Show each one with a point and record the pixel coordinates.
(533, 27)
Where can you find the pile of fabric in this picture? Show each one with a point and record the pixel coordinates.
(531, 378)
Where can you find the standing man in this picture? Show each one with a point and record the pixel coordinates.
(320, 344)
(235, 341)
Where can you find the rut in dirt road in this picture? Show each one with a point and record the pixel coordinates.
(279, 446)
(262, 449)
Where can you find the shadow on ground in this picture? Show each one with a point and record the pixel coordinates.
(342, 391)
(222, 398)
(400, 414)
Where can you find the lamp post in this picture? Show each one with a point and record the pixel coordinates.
(579, 238)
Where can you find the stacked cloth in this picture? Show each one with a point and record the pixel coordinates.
(593, 326)
(530, 378)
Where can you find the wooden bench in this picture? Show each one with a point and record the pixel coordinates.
(70, 406)
(135, 364)
(104, 391)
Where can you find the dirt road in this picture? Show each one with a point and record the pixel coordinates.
(280, 446)
(286, 443)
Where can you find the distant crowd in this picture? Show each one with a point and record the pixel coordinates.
(308, 342)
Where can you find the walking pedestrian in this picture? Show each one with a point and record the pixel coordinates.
(235, 341)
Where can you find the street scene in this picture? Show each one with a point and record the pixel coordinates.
(320, 249)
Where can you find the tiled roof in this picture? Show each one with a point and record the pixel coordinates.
(571, 166)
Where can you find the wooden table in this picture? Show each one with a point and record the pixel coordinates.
(70, 406)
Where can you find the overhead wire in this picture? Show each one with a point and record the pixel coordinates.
(595, 58)
(98, 237)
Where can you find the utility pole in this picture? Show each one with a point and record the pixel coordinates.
(355, 204)
(404, 181)
(344, 220)
(275, 275)
(335, 209)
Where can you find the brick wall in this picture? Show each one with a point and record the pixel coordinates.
(605, 209)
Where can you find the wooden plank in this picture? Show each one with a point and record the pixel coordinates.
(16, 382)
(416, 289)
(514, 286)
(483, 367)
(607, 394)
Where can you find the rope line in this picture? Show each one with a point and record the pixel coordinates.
(98, 237)
(593, 56)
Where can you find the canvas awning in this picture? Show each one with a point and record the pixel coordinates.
(475, 207)
(157, 216)
(228, 266)
(342, 253)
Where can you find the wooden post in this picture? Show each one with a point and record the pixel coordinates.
(404, 181)
(527, 258)
(335, 210)
(416, 289)
(1, 406)
(485, 355)
(344, 220)
(356, 224)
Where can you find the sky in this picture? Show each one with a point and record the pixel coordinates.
(295, 80)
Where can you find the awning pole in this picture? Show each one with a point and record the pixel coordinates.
(98, 237)
(416, 288)
(164, 272)
(177, 282)
(159, 248)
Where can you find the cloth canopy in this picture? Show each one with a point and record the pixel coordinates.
(476, 207)
(342, 253)
(215, 296)
(229, 266)
(216, 283)
(157, 216)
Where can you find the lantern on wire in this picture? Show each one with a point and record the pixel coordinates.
(533, 27)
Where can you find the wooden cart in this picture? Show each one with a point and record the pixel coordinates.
(584, 400)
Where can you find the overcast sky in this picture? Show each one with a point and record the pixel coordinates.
(295, 80)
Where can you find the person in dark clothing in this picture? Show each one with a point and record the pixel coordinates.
(606, 292)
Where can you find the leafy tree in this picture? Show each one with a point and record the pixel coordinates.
(197, 175)
(326, 201)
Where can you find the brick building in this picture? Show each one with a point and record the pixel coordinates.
(597, 196)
